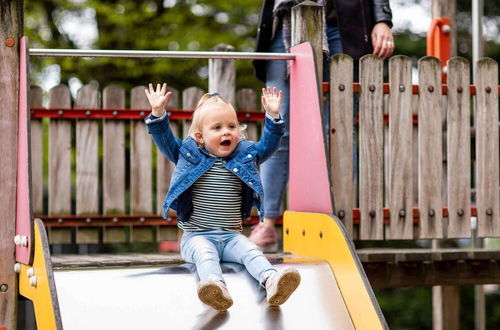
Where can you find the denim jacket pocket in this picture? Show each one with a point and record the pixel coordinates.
(189, 154)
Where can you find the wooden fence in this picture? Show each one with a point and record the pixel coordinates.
(428, 159)
(433, 165)
(102, 175)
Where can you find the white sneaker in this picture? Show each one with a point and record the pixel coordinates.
(280, 286)
(214, 293)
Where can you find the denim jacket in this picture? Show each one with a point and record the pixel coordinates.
(191, 162)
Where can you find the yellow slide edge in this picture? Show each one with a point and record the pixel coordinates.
(322, 236)
(36, 282)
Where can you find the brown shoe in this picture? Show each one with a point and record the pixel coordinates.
(214, 293)
(281, 285)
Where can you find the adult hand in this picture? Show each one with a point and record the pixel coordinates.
(271, 101)
(382, 40)
(158, 98)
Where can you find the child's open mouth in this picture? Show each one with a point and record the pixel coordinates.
(226, 143)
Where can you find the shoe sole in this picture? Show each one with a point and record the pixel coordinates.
(212, 295)
(286, 286)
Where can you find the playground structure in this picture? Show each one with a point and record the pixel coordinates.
(307, 234)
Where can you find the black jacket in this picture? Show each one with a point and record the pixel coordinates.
(355, 18)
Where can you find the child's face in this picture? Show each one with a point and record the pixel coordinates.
(220, 131)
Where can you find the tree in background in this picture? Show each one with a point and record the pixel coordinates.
(185, 25)
(140, 25)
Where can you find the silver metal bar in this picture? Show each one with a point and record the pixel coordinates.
(477, 34)
(158, 54)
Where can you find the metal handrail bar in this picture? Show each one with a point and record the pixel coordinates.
(158, 54)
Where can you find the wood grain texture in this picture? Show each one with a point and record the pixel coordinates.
(11, 26)
(36, 101)
(87, 162)
(190, 98)
(87, 235)
(341, 137)
(430, 157)
(113, 97)
(400, 164)
(459, 149)
(371, 148)
(246, 101)
(59, 163)
(307, 26)
(487, 163)
(141, 169)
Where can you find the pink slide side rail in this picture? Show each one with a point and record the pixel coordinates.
(24, 219)
(309, 187)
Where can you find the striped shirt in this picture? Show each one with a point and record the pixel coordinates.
(217, 198)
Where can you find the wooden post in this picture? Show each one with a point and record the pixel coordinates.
(222, 75)
(11, 29)
(307, 25)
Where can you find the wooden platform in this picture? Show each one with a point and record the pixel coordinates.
(389, 268)
(385, 268)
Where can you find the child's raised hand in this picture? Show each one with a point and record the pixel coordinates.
(271, 101)
(158, 99)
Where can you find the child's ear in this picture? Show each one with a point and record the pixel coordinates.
(199, 137)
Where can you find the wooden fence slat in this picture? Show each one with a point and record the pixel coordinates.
(371, 148)
(113, 97)
(246, 101)
(459, 152)
(113, 181)
(400, 143)
(430, 148)
(87, 235)
(36, 101)
(87, 162)
(59, 170)
(114, 234)
(141, 180)
(190, 98)
(142, 234)
(341, 137)
(59, 164)
(487, 162)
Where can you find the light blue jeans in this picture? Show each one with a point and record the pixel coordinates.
(206, 249)
(274, 171)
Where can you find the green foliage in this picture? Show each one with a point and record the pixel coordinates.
(406, 308)
(143, 25)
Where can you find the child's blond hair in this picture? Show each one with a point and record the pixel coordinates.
(206, 103)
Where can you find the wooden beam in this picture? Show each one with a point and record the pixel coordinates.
(391, 268)
(11, 27)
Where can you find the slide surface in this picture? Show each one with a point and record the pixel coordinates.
(334, 292)
(165, 297)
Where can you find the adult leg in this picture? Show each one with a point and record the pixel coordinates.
(274, 171)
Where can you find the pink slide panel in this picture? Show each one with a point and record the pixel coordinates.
(24, 224)
(309, 187)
